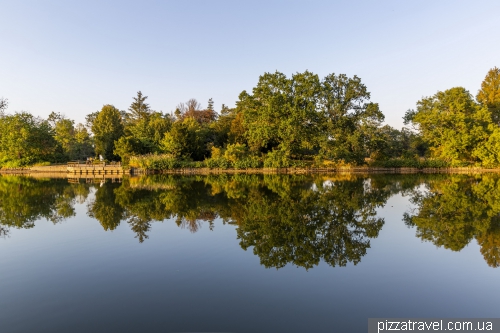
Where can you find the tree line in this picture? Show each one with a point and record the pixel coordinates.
(299, 121)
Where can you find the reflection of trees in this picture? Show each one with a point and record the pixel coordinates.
(4, 231)
(24, 200)
(457, 209)
(490, 245)
(286, 219)
(104, 208)
(295, 219)
(299, 225)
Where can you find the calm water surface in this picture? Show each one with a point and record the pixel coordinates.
(246, 253)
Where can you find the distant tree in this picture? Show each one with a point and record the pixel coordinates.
(53, 118)
(139, 109)
(89, 119)
(144, 129)
(107, 128)
(193, 109)
(222, 127)
(489, 94)
(178, 114)
(210, 105)
(83, 143)
(390, 142)
(4, 103)
(185, 139)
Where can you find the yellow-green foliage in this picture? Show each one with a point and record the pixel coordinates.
(161, 162)
(234, 156)
(235, 152)
(453, 124)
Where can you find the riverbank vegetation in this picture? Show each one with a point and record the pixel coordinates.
(297, 121)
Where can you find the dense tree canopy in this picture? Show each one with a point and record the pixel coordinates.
(284, 121)
(489, 94)
(452, 123)
(107, 128)
(25, 139)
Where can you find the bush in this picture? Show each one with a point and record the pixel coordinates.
(250, 162)
(410, 163)
(217, 163)
(154, 162)
(235, 152)
(277, 158)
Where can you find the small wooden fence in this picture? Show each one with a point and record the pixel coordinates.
(93, 163)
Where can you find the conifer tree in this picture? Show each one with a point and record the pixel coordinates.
(139, 109)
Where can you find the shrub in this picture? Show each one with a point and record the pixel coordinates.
(410, 163)
(277, 158)
(217, 163)
(250, 162)
(155, 162)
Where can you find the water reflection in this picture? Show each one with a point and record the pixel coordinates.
(454, 210)
(284, 219)
(24, 200)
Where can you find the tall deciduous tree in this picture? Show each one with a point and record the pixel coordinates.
(489, 94)
(452, 123)
(83, 143)
(350, 118)
(64, 133)
(281, 112)
(107, 128)
(4, 103)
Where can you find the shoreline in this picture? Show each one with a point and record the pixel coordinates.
(207, 171)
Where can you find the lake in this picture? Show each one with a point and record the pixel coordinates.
(246, 253)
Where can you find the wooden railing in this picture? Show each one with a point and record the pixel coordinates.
(92, 163)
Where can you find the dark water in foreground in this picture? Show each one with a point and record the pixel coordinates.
(246, 253)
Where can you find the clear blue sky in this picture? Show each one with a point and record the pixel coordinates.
(74, 56)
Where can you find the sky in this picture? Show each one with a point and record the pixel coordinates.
(73, 57)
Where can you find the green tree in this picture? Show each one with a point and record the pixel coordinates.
(25, 139)
(489, 94)
(350, 119)
(83, 143)
(4, 104)
(139, 109)
(186, 139)
(64, 133)
(452, 124)
(144, 129)
(107, 128)
(128, 146)
(90, 118)
(210, 105)
(281, 113)
(393, 143)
